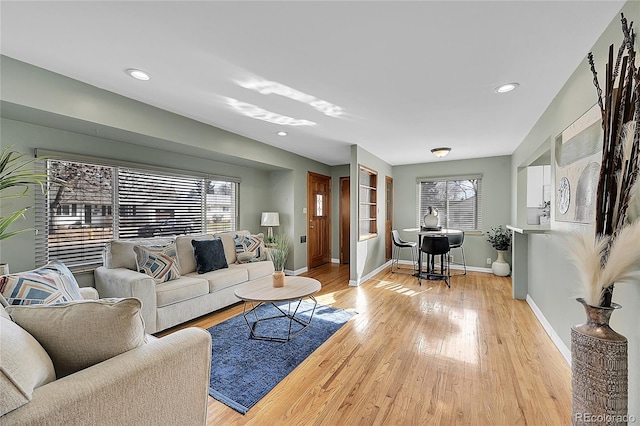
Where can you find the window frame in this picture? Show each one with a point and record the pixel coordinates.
(446, 213)
(43, 214)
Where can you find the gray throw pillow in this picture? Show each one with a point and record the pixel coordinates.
(81, 333)
(209, 255)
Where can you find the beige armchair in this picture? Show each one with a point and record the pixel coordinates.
(159, 382)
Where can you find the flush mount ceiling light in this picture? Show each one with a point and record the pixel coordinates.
(281, 133)
(440, 152)
(138, 74)
(506, 87)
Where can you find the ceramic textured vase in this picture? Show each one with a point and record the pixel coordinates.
(4, 269)
(278, 279)
(599, 376)
(430, 220)
(500, 267)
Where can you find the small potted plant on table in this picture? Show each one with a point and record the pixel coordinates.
(279, 250)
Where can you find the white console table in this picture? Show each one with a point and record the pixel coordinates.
(520, 256)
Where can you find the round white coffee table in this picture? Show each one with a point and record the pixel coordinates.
(261, 292)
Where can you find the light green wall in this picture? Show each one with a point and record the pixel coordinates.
(368, 255)
(496, 199)
(553, 284)
(79, 118)
(336, 173)
(25, 137)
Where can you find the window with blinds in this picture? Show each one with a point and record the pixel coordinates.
(87, 205)
(458, 201)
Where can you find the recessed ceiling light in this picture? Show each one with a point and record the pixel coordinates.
(506, 87)
(138, 74)
(281, 133)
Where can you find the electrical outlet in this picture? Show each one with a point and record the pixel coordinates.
(488, 261)
(303, 239)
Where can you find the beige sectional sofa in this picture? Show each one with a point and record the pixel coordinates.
(192, 295)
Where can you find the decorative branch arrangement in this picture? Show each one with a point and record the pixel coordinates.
(617, 224)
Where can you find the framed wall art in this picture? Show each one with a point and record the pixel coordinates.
(578, 152)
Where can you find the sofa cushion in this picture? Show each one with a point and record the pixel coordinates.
(209, 255)
(25, 365)
(186, 259)
(79, 334)
(159, 262)
(257, 270)
(250, 248)
(183, 288)
(120, 254)
(52, 283)
(223, 278)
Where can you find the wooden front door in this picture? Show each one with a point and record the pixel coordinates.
(388, 221)
(318, 219)
(345, 217)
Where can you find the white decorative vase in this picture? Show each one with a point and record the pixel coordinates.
(500, 267)
(4, 269)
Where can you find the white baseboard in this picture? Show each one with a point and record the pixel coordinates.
(564, 350)
(296, 272)
(335, 260)
(356, 283)
(454, 266)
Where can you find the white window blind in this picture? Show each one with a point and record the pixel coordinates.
(458, 200)
(87, 205)
(79, 210)
(152, 204)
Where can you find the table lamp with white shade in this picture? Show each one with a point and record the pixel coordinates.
(270, 219)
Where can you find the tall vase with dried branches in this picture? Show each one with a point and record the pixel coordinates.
(610, 254)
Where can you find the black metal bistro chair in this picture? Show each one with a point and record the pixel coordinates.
(455, 241)
(434, 246)
(398, 244)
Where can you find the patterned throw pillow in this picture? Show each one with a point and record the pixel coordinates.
(53, 283)
(158, 262)
(250, 248)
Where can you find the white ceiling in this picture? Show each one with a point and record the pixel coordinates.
(407, 76)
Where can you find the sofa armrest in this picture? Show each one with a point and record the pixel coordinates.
(89, 293)
(164, 382)
(122, 282)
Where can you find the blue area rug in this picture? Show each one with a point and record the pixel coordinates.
(243, 369)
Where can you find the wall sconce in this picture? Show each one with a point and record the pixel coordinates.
(440, 152)
(270, 219)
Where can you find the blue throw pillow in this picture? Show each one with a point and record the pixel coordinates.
(209, 255)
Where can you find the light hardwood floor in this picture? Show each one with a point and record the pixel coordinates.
(469, 355)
